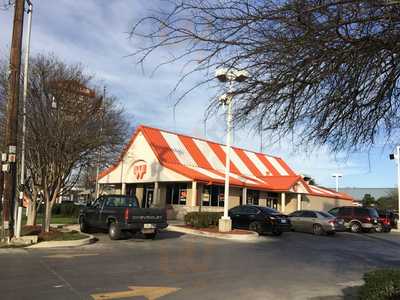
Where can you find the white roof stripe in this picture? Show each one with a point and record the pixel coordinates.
(237, 161)
(209, 154)
(242, 179)
(258, 163)
(276, 165)
(179, 149)
(322, 191)
(207, 173)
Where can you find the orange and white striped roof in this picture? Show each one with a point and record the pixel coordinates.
(204, 160)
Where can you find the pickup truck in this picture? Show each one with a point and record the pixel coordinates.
(119, 214)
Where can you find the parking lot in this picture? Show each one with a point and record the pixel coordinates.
(179, 266)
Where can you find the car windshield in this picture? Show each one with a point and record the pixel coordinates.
(325, 215)
(373, 213)
(268, 210)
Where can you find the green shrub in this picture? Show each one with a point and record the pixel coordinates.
(66, 209)
(202, 219)
(381, 284)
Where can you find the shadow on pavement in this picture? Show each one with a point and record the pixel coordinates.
(163, 235)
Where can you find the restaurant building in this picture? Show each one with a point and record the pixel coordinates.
(184, 173)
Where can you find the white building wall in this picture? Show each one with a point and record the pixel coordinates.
(141, 153)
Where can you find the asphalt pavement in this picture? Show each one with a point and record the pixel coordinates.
(180, 266)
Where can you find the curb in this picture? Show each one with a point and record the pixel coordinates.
(57, 244)
(251, 237)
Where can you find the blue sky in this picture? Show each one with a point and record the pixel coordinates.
(95, 33)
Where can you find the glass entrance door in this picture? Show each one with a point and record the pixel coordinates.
(148, 197)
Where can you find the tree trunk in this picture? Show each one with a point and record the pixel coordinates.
(50, 200)
(47, 214)
(32, 209)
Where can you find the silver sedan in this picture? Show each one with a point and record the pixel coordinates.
(317, 222)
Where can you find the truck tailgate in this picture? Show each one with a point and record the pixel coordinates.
(147, 215)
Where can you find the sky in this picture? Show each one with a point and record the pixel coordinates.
(95, 33)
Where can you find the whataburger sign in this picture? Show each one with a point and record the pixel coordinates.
(139, 169)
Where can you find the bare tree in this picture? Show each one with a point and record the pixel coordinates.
(327, 70)
(67, 124)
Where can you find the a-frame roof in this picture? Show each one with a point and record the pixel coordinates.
(204, 160)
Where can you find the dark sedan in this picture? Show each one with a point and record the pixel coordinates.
(259, 219)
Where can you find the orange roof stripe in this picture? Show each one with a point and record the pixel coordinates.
(195, 152)
(221, 155)
(269, 166)
(285, 166)
(160, 146)
(247, 161)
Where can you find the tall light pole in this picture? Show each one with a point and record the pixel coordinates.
(99, 156)
(396, 157)
(230, 75)
(25, 92)
(337, 176)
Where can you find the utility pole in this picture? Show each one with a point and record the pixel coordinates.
(25, 93)
(10, 178)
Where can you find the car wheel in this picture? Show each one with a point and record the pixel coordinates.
(317, 229)
(150, 236)
(355, 227)
(255, 226)
(379, 228)
(114, 231)
(388, 230)
(83, 226)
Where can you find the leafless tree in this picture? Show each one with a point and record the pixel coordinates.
(327, 70)
(68, 122)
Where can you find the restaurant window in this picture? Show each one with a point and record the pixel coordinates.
(176, 193)
(253, 197)
(213, 195)
(272, 200)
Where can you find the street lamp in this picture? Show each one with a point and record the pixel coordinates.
(230, 75)
(396, 157)
(337, 176)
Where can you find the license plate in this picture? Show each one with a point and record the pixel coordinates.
(283, 221)
(148, 226)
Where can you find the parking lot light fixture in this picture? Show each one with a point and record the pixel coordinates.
(337, 176)
(228, 75)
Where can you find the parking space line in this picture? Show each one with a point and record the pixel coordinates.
(149, 292)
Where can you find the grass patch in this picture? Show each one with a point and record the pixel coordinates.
(55, 219)
(383, 284)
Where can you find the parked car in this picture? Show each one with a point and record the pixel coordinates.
(259, 219)
(386, 218)
(317, 222)
(119, 214)
(357, 219)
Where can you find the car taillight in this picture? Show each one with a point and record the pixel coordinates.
(332, 222)
(126, 214)
(369, 219)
